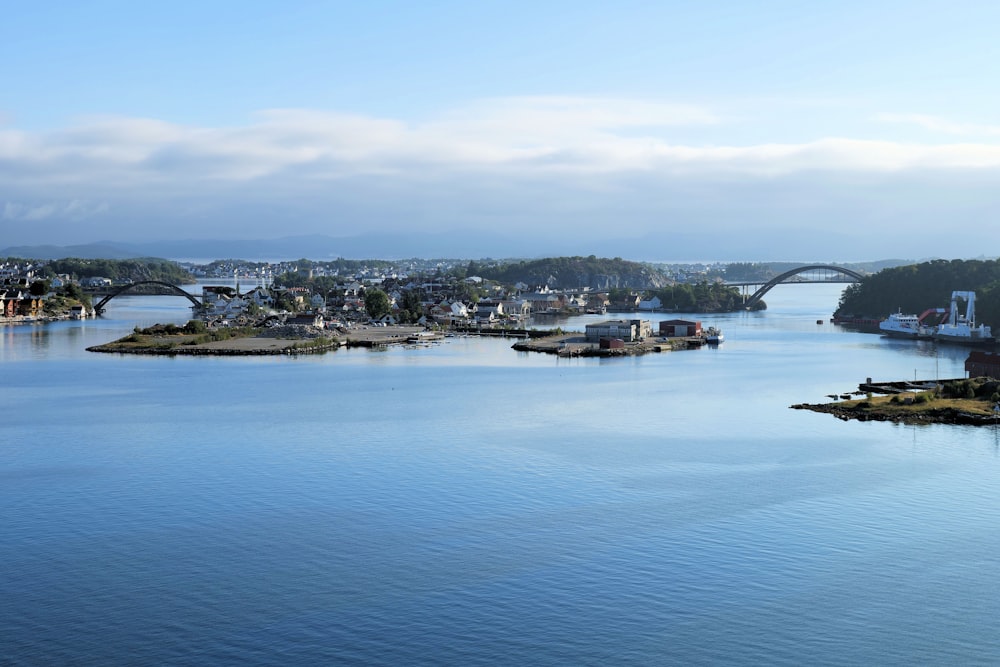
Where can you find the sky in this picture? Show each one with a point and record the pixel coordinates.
(666, 130)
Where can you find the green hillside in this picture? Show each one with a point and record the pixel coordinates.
(916, 287)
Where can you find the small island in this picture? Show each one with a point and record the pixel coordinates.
(195, 338)
(971, 401)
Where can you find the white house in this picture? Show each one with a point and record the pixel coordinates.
(650, 304)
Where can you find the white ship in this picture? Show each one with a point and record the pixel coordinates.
(963, 328)
(899, 325)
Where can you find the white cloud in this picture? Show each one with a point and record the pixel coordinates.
(936, 124)
(584, 165)
(525, 137)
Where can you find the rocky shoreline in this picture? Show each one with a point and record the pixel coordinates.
(286, 340)
(289, 339)
(856, 410)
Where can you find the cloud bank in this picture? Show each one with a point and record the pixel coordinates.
(546, 165)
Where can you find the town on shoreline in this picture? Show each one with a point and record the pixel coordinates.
(313, 307)
(374, 291)
(320, 306)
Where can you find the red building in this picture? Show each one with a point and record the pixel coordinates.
(612, 344)
(673, 328)
(983, 364)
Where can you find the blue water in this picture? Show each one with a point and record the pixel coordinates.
(466, 504)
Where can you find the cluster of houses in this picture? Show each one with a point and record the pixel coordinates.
(17, 302)
(441, 302)
(444, 299)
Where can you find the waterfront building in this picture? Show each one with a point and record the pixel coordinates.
(983, 364)
(626, 330)
(672, 328)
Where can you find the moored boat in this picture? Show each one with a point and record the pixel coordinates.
(899, 325)
(963, 328)
(425, 337)
(714, 336)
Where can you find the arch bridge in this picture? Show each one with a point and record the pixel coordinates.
(165, 288)
(832, 274)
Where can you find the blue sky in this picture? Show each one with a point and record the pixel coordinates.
(847, 130)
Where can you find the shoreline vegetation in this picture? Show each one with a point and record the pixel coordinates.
(972, 402)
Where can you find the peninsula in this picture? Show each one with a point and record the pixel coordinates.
(971, 402)
(195, 339)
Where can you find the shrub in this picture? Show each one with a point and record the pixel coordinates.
(959, 389)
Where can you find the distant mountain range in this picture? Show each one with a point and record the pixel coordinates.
(315, 247)
(681, 246)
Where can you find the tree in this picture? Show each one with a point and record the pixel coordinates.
(411, 309)
(73, 291)
(376, 303)
(282, 301)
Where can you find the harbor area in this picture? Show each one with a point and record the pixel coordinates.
(576, 344)
(613, 338)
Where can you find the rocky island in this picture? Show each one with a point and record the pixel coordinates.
(196, 339)
(970, 402)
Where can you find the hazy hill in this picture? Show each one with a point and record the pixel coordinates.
(87, 251)
(571, 272)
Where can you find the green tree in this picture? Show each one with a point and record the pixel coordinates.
(376, 303)
(73, 291)
(411, 309)
(283, 301)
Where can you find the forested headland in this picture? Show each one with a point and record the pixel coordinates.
(703, 297)
(917, 287)
(120, 270)
(598, 273)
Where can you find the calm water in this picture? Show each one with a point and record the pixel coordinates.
(466, 504)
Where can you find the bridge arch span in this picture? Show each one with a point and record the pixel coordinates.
(173, 289)
(755, 298)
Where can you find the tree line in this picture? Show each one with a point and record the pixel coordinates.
(917, 287)
(123, 270)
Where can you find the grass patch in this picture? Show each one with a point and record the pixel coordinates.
(921, 402)
(165, 337)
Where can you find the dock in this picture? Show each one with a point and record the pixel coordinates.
(902, 386)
